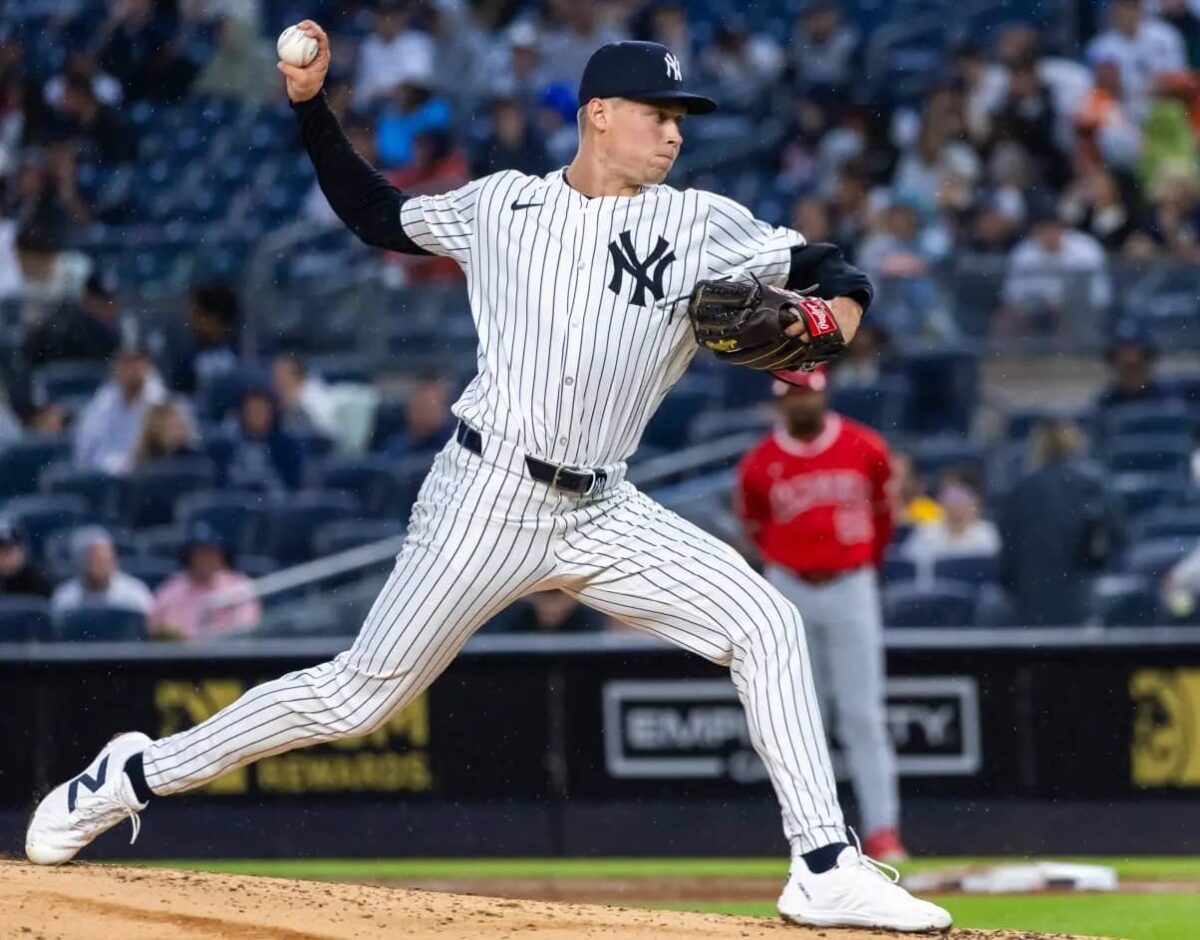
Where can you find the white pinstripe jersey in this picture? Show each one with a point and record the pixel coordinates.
(573, 297)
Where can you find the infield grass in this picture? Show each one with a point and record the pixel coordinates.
(1147, 916)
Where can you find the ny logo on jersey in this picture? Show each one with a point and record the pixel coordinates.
(673, 70)
(625, 259)
(91, 784)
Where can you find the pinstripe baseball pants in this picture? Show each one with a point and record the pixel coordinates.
(482, 534)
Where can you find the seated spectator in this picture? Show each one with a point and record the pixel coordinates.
(95, 128)
(211, 346)
(100, 583)
(181, 608)
(1050, 275)
(1143, 45)
(1027, 116)
(48, 421)
(962, 531)
(518, 72)
(167, 434)
(413, 109)
(140, 46)
(549, 612)
(46, 192)
(742, 65)
(18, 574)
(914, 507)
(242, 69)
(825, 51)
(1131, 358)
(88, 329)
(48, 273)
(1059, 527)
(1095, 204)
(395, 52)
(264, 456)
(1106, 132)
(110, 425)
(81, 63)
(305, 404)
(513, 144)
(428, 421)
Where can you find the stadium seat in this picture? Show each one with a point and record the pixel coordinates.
(896, 568)
(293, 523)
(22, 463)
(106, 495)
(239, 518)
(163, 541)
(936, 605)
(58, 380)
(373, 481)
(975, 570)
(1155, 557)
(255, 566)
(334, 537)
(1149, 453)
(41, 516)
(154, 489)
(100, 624)
(882, 406)
(1125, 602)
(933, 455)
(1175, 522)
(219, 394)
(1168, 417)
(151, 569)
(24, 619)
(1142, 492)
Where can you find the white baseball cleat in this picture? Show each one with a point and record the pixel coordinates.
(77, 811)
(856, 892)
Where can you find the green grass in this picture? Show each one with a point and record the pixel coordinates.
(1129, 917)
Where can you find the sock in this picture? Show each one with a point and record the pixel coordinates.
(137, 776)
(818, 860)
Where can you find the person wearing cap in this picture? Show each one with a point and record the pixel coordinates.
(815, 501)
(207, 598)
(18, 573)
(87, 330)
(1132, 356)
(574, 281)
(110, 425)
(394, 53)
(99, 582)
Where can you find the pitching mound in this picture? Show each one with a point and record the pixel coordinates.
(101, 902)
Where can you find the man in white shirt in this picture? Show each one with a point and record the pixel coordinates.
(111, 423)
(1143, 46)
(393, 54)
(100, 583)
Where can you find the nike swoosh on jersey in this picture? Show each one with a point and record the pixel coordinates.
(524, 205)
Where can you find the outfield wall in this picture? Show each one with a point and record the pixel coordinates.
(616, 743)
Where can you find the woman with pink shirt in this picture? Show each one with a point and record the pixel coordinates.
(181, 605)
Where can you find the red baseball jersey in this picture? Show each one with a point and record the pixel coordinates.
(818, 507)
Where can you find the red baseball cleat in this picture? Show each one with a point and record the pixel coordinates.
(884, 845)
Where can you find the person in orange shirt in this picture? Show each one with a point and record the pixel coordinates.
(815, 500)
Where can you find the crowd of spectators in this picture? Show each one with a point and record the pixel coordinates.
(1058, 162)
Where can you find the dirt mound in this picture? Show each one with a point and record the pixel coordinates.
(101, 902)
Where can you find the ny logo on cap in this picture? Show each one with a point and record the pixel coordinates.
(673, 67)
(625, 260)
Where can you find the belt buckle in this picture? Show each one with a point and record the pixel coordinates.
(554, 479)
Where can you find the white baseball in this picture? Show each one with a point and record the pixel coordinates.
(296, 47)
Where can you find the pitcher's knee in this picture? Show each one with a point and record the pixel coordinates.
(346, 703)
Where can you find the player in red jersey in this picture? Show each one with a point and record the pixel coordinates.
(815, 500)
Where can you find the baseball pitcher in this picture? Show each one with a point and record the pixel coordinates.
(574, 281)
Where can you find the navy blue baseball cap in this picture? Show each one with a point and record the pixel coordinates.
(645, 71)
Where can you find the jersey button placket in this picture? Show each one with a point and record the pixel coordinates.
(570, 363)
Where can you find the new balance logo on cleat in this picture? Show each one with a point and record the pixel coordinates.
(91, 784)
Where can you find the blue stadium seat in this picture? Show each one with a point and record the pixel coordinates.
(24, 619)
(151, 569)
(1142, 492)
(933, 455)
(162, 541)
(41, 516)
(220, 394)
(100, 624)
(1150, 453)
(974, 570)
(334, 537)
(239, 518)
(1155, 557)
(882, 406)
(1176, 522)
(22, 463)
(294, 523)
(897, 569)
(106, 495)
(935, 605)
(255, 566)
(373, 480)
(1169, 417)
(58, 380)
(1125, 602)
(156, 487)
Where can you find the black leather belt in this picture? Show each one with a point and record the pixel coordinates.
(571, 479)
